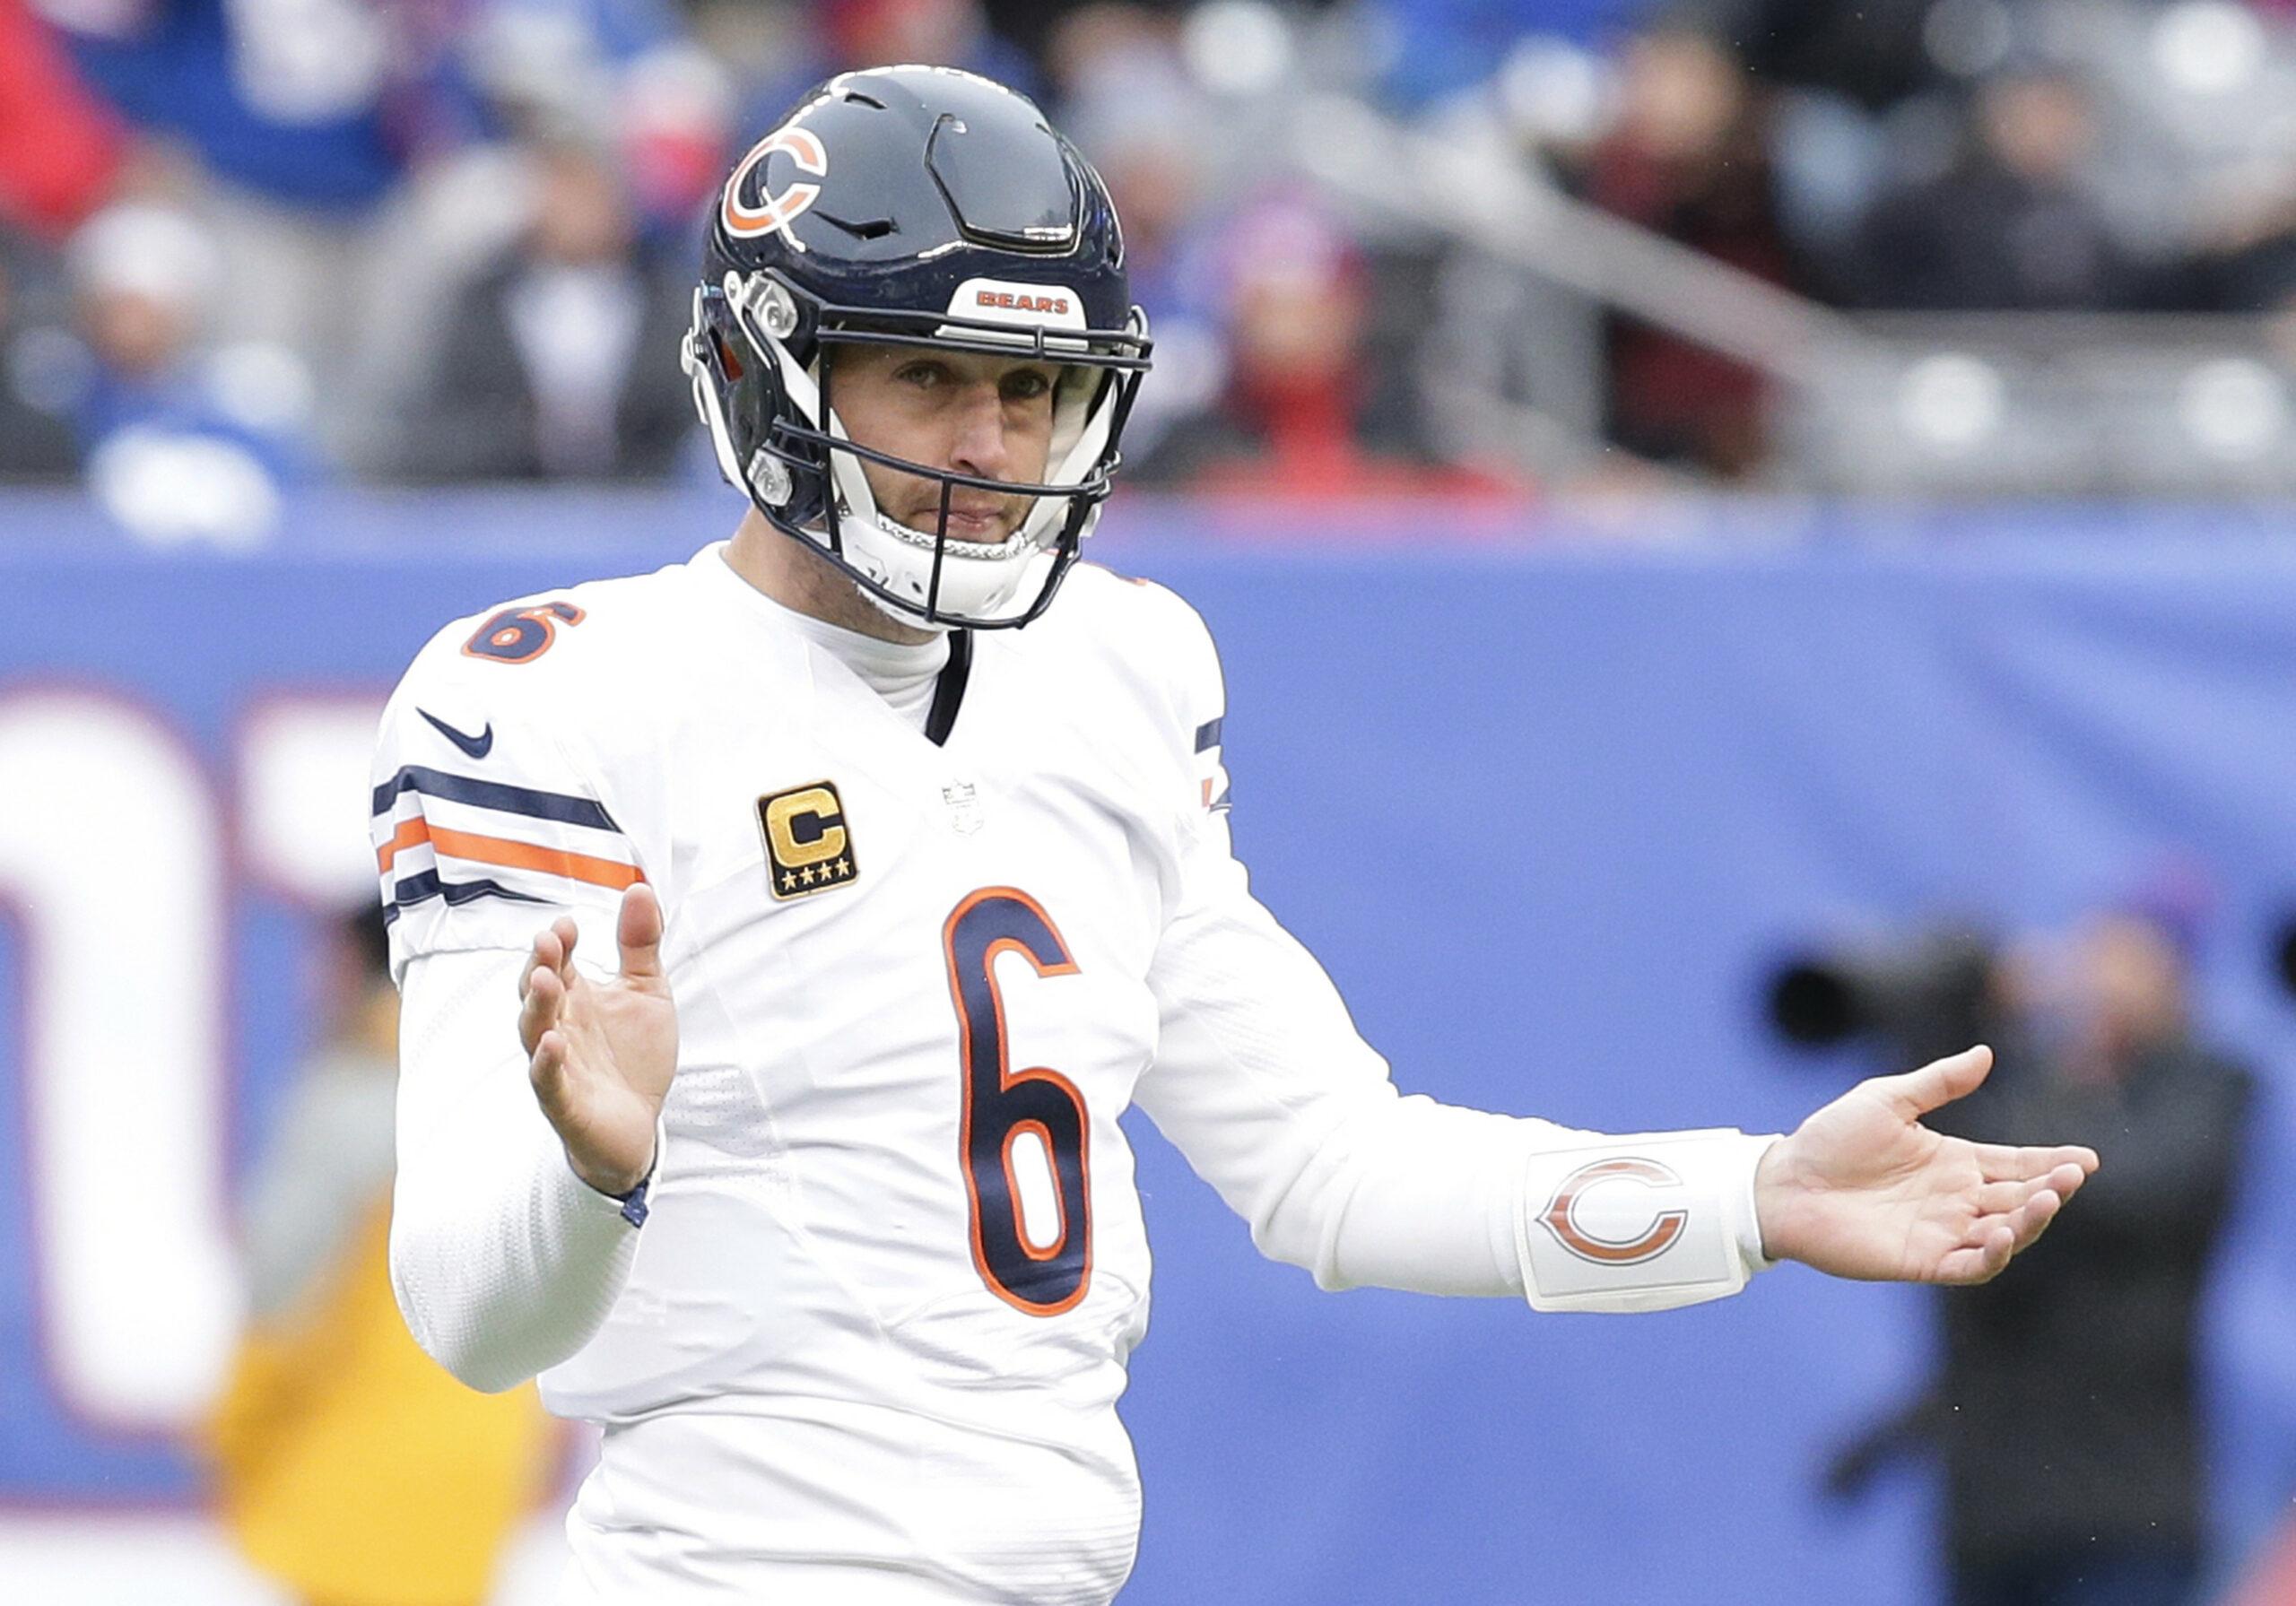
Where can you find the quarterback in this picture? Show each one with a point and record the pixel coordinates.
(781, 934)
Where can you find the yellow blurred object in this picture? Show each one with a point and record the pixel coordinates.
(353, 1468)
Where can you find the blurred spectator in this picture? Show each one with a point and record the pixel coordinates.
(58, 149)
(1297, 309)
(1290, 421)
(1124, 98)
(845, 34)
(619, 75)
(287, 107)
(348, 1466)
(1684, 157)
(309, 118)
(2009, 227)
(676, 126)
(1872, 53)
(560, 360)
(182, 440)
(2245, 260)
(2065, 1408)
(1427, 49)
(953, 33)
(283, 99)
(1032, 27)
(37, 362)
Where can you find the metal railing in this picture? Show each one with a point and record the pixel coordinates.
(1956, 404)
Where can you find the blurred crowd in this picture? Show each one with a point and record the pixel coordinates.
(251, 245)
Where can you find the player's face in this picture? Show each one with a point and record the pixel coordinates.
(966, 411)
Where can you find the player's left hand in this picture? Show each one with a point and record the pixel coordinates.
(1862, 1189)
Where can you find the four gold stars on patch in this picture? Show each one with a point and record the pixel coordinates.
(829, 875)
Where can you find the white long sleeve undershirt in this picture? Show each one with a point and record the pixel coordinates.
(504, 1261)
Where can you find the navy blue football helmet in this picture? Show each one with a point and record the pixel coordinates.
(915, 207)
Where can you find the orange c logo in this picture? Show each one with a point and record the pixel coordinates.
(1560, 1217)
(744, 221)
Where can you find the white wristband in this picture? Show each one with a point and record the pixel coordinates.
(1641, 1222)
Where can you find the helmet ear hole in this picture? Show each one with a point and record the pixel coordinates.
(770, 477)
(726, 359)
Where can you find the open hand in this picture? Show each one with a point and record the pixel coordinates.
(602, 1053)
(1862, 1189)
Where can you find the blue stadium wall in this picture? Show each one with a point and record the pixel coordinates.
(1548, 806)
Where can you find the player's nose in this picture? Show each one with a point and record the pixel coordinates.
(982, 444)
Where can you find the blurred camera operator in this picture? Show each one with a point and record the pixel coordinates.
(2065, 1408)
(349, 1469)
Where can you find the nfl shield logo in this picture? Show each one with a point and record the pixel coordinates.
(963, 802)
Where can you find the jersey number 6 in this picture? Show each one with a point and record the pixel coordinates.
(520, 635)
(1033, 1246)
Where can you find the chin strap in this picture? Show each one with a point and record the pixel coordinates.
(949, 690)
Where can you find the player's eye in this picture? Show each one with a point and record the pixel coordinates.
(923, 373)
(1027, 384)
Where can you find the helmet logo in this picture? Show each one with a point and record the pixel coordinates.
(744, 221)
(1056, 305)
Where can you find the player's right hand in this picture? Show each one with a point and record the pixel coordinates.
(601, 1053)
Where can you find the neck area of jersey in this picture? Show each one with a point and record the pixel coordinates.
(901, 672)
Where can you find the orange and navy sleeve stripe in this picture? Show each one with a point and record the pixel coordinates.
(459, 839)
(1211, 773)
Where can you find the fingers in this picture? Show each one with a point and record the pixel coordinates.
(549, 979)
(2002, 1198)
(2036, 1215)
(1941, 1081)
(538, 1013)
(2001, 1163)
(1982, 1261)
(638, 932)
(2026, 1207)
(547, 1072)
(553, 947)
(2014, 1216)
(548, 976)
(548, 952)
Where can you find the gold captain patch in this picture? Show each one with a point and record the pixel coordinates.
(808, 846)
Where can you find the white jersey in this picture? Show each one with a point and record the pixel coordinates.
(868, 1341)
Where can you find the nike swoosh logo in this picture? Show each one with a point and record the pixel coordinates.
(477, 746)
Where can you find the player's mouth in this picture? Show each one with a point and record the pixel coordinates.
(986, 519)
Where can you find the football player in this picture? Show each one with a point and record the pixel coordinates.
(780, 936)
